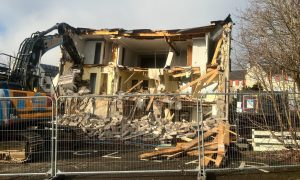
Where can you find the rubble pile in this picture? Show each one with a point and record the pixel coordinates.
(216, 141)
(115, 119)
(119, 127)
(104, 118)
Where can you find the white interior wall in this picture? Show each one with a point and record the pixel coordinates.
(89, 52)
(199, 56)
(131, 58)
(180, 60)
(120, 53)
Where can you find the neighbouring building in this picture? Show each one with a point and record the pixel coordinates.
(237, 80)
(48, 73)
(275, 80)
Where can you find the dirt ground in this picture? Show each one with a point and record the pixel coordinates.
(89, 158)
(282, 174)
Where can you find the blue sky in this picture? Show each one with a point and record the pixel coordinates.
(20, 18)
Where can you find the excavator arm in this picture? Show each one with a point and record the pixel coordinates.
(25, 69)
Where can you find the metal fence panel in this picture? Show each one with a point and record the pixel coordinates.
(264, 131)
(149, 133)
(26, 135)
(119, 134)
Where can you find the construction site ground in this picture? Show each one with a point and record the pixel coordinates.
(282, 173)
(90, 158)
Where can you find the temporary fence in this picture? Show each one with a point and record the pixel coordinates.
(146, 133)
(26, 135)
(119, 134)
(264, 131)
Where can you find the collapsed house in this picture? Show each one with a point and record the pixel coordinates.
(172, 61)
(181, 61)
(144, 62)
(159, 76)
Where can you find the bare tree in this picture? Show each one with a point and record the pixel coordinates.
(270, 36)
(269, 41)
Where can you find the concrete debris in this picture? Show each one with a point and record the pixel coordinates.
(140, 103)
(105, 119)
(119, 127)
(84, 90)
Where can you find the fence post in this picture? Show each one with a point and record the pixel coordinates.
(201, 173)
(52, 140)
(55, 137)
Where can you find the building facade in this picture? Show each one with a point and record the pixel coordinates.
(48, 73)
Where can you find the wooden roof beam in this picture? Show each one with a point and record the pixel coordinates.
(217, 50)
(133, 87)
(197, 80)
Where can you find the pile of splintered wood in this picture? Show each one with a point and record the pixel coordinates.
(216, 140)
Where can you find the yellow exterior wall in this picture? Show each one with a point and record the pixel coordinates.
(99, 71)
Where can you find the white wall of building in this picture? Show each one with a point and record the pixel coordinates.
(180, 60)
(46, 82)
(131, 58)
(199, 56)
(89, 52)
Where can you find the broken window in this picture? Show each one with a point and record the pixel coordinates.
(123, 55)
(103, 83)
(97, 53)
(44, 81)
(48, 86)
(145, 84)
(153, 60)
(93, 77)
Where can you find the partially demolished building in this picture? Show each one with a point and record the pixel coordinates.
(143, 61)
(163, 61)
(157, 77)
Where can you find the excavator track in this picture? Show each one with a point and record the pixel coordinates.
(34, 145)
(31, 145)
